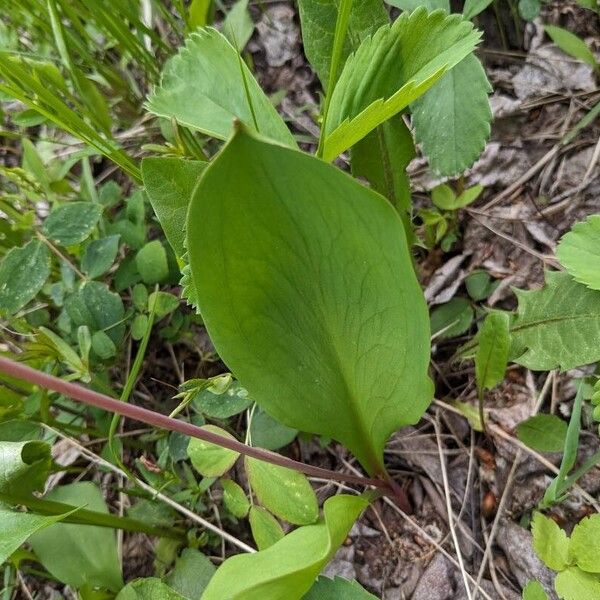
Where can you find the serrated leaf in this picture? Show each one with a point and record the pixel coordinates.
(23, 272)
(579, 252)
(585, 544)
(99, 255)
(534, 591)
(24, 467)
(557, 326)
(266, 531)
(575, 584)
(209, 459)
(550, 542)
(337, 589)
(235, 499)
(318, 19)
(493, 350)
(169, 183)
(572, 45)
(72, 223)
(284, 492)
(410, 5)
(148, 588)
(452, 119)
(204, 87)
(80, 554)
(16, 527)
(401, 62)
(292, 254)
(544, 433)
(288, 568)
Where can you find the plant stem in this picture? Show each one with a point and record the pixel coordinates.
(92, 398)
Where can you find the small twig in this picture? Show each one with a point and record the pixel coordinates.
(138, 413)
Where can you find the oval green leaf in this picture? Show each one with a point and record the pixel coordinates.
(209, 459)
(71, 223)
(266, 531)
(544, 433)
(286, 493)
(235, 499)
(307, 289)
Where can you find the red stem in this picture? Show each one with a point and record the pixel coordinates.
(137, 413)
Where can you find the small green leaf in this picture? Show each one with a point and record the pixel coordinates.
(451, 319)
(575, 584)
(473, 7)
(288, 568)
(207, 86)
(238, 25)
(337, 589)
(151, 263)
(193, 570)
(209, 459)
(72, 223)
(444, 197)
(222, 404)
(530, 9)
(235, 499)
(585, 544)
(163, 303)
(23, 272)
(534, 591)
(80, 554)
(570, 44)
(169, 183)
(544, 433)
(16, 527)
(286, 493)
(150, 588)
(139, 326)
(24, 467)
(266, 432)
(492, 354)
(550, 542)
(99, 255)
(452, 119)
(103, 346)
(479, 285)
(266, 531)
(97, 307)
(275, 276)
(579, 252)
(430, 5)
(401, 62)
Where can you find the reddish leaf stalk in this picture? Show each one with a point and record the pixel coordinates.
(137, 413)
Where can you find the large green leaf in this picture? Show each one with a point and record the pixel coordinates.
(318, 18)
(16, 527)
(169, 183)
(585, 544)
(193, 570)
(287, 569)
(23, 272)
(80, 554)
(452, 119)
(410, 5)
(308, 292)
(207, 85)
(579, 252)
(575, 584)
(557, 326)
(390, 70)
(550, 542)
(149, 588)
(24, 466)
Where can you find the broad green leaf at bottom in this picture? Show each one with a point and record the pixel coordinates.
(287, 569)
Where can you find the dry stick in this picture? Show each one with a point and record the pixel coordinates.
(87, 396)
